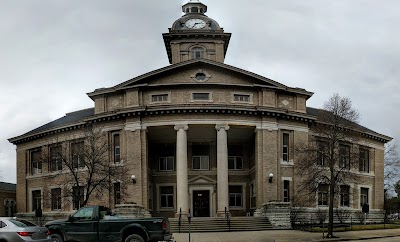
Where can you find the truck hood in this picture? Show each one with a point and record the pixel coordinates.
(58, 221)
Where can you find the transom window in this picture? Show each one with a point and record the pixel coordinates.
(201, 96)
(200, 162)
(364, 160)
(56, 199)
(235, 163)
(166, 163)
(159, 98)
(235, 196)
(167, 197)
(241, 98)
(323, 190)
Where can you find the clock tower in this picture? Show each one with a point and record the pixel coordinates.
(196, 36)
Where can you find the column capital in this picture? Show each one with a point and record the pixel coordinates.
(218, 127)
(181, 126)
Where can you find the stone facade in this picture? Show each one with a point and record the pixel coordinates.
(198, 136)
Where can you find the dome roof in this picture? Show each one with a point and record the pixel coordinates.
(194, 9)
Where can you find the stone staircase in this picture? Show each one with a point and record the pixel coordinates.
(215, 224)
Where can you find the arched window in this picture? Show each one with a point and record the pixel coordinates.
(197, 52)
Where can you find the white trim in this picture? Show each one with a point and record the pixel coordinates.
(117, 128)
(283, 178)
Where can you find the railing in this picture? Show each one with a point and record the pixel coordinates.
(228, 220)
(180, 218)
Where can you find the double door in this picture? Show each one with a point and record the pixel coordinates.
(201, 203)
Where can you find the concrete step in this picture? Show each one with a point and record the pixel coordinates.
(211, 224)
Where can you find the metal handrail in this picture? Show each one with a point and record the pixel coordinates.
(180, 218)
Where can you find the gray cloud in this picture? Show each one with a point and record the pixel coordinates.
(53, 52)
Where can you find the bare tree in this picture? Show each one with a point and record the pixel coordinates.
(327, 161)
(392, 165)
(84, 166)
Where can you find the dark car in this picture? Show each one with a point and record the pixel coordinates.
(19, 230)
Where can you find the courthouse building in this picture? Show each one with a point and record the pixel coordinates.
(200, 135)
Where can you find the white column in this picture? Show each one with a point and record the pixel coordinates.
(182, 191)
(222, 169)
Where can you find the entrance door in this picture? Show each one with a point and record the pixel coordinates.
(201, 203)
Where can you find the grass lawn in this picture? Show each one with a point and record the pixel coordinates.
(358, 227)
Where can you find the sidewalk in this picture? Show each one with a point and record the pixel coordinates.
(283, 236)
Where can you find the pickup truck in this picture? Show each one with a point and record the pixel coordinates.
(99, 224)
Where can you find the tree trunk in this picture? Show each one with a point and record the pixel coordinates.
(331, 199)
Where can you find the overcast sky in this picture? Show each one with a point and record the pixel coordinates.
(54, 52)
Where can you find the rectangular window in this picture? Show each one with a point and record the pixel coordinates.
(36, 162)
(235, 163)
(235, 196)
(241, 98)
(344, 196)
(55, 158)
(285, 147)
(116, 148)
(197, 53)
(56, 199)
(167, 197)
(364, 196)
(201, 163)
(166, 163)
(117, 193)
(323, 190)
(364, 160)
(322, 154)
(159, 98)
(36, 199)
(344, 153)
(78, 196)
(200, 96)
(286, 191)
(77, 153)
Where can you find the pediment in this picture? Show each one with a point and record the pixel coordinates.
(213, 73)
(201, 180)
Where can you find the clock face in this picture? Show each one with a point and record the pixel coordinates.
(195, 23)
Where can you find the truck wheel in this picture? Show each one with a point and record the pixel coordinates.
(57, 238)
(134, 238)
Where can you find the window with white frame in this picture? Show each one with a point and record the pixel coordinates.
(344, 196)
(200, 162)
(364, 196)
(286, 191)
(344, 153)
(36, 162)
(36, 199)
(56, 199)
(235, 196)
(117, 193)
(77, 153)
(245, 98)
(322, 153)
(116, 148)
(235, 163)
(167, 197)
(323, 190)
(78, 196)
(166, 163)
(285, 147)
(156, 98)
(364, 160)
(55, 158)
(197, 52)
